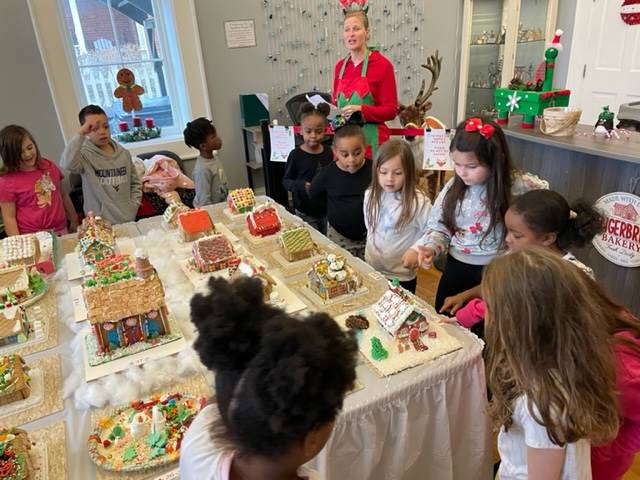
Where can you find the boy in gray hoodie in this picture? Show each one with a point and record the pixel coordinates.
(110, 185)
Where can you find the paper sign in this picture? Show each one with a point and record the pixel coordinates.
(436, 150)
(240, 33)
(282, 142)
(316, 100)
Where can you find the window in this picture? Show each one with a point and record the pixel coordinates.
(107, 35)
(93, 39)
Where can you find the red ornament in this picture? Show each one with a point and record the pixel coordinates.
(123, 126)
(630, 12)
(137, 122)
(106, 442)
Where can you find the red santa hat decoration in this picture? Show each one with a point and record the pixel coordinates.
(555, 43)
(630, 12)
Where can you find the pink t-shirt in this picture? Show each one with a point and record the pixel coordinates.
(37, 196)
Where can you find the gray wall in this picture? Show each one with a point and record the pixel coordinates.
(25, 98)
(231, 72)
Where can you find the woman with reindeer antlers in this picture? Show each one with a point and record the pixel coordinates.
(364, 80)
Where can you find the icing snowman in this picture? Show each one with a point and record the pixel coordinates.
(336, 268)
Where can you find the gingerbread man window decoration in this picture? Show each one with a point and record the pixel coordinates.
(128, 91)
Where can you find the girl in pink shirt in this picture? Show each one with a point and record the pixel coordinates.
(279, 382)
(31, 196)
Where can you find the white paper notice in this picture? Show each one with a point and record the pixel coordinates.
(240, 33)
(282, 142)
(316, 100)
(436, 150)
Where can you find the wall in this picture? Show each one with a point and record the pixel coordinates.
(25, 98)
(566, 16)
(231, 72)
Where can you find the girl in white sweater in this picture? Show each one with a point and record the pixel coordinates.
(396, 211)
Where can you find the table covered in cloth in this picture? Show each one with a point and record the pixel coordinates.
(428, 422)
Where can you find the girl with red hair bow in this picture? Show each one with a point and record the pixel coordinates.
(467, 218)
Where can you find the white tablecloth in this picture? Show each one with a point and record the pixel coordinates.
(427, 422)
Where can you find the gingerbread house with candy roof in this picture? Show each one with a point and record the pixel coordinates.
(213, 253)
(241, 200)
(125, 302)
(398, 315)
(264, 221)
(19, 250)
(195, 224)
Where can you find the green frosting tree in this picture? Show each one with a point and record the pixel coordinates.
(378, 352)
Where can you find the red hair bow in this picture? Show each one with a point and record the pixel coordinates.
(475, 125)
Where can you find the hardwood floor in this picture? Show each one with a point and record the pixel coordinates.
(426, 289)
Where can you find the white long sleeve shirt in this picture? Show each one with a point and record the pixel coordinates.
(386, 245)
(472, 219)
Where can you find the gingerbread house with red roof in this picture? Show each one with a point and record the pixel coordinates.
(264, 221)
(398, 315)
(195, 224)
(628, 211)
(241, 200)
(213, 253)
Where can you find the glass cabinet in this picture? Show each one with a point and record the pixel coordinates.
(501, 39)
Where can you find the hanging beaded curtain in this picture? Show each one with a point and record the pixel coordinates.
(305, 42)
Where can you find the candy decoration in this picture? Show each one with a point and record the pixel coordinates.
(630, 12)
(378, 352)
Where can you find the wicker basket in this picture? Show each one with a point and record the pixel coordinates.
(560, 121)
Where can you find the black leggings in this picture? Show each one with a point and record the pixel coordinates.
(456, 278)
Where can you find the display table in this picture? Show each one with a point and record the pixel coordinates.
(588, 167)
(425, 422)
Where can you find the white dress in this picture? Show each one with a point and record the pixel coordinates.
(526, 432)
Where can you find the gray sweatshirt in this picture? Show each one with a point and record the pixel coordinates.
(210, 180)
(110, 185)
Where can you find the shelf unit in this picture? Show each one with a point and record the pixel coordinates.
(501, 39)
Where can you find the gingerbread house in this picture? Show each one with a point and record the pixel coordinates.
(14, 381)
(241, 200)
(14, 454)
(171, 213)
(14, 285)
(195, 224)
(96, 240)
(14, 327)
(264, 221)
(252, 269)
(213, 253)
(296, 244)
(20, 250)
(331, 277)
(398, 315)
(125, 302)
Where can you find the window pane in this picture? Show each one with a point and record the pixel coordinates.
(109, 35)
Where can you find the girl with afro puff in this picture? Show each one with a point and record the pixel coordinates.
(280, 382)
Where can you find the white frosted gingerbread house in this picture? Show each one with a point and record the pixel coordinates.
(399, 316)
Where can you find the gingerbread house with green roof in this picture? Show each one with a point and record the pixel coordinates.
(125, 302)
(296, 244)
